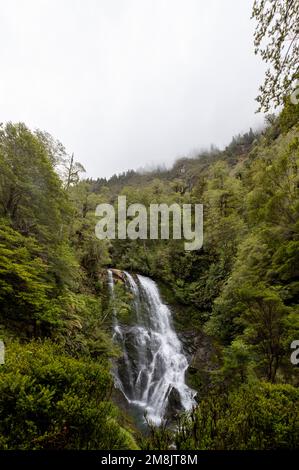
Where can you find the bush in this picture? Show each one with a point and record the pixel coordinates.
(51, 401)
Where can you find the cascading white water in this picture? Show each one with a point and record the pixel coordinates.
(152, 367)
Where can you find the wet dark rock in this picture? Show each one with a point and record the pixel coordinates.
(174, 405)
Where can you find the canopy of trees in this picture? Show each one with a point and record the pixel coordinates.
(241, 289)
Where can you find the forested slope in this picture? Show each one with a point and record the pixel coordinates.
(241, 289)
(55, 385)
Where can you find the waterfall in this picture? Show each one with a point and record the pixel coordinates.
(151, 370)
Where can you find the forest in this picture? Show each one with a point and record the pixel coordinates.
(238, 295)
(240, 289)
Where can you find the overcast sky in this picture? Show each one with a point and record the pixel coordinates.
(129, 83)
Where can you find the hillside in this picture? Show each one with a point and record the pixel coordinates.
(240, 291)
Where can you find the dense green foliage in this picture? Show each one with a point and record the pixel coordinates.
(242, 287)
(276, 41)
(55, 386)
(50, 400)
(240, 290)
(253, 417)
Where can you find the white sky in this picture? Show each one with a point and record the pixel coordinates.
(129, 83)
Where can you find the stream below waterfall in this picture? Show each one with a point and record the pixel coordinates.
(150, 372)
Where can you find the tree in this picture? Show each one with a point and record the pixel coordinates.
(24, 291)
(55, 149)
(72, 171)
(31, 195)
(276, 39)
